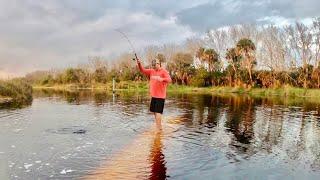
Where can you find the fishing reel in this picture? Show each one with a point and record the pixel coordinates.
(135, 57)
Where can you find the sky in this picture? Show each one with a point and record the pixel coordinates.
(46, 34)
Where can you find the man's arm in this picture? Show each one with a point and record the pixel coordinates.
(142, 69)
(166, 77)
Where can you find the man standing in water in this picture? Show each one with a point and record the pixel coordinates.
(158, 81)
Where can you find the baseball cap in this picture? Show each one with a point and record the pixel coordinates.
(155, 61)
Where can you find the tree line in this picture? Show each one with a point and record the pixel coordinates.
(246, 55)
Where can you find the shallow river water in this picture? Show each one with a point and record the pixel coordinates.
(92, 135)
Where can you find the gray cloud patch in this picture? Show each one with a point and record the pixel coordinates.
(224, 13)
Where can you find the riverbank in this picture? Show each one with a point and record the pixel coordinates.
(5, 100)
(15, 92)
(286, 91)
(119, 86)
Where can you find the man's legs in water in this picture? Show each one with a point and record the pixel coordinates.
(158, 120)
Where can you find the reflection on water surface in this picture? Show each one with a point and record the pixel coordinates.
(95, 134)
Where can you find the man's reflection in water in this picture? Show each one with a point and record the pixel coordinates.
(157, 161)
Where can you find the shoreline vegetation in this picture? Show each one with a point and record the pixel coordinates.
(15, 93)
(142, 86)
(247, 58)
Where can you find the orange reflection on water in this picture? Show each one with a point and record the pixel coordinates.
(142, 159)
(157, 160)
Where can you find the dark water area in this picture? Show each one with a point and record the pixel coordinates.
(69, 135)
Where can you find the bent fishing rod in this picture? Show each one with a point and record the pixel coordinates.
(131, 45)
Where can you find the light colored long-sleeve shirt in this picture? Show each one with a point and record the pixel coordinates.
(159, 80)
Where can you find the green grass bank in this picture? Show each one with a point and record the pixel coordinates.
(286, 91)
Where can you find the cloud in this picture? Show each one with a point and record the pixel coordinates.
(230, 12)
(49, 34)
(57, 33)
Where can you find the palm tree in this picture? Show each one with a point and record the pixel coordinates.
(233, 59)
(316, 75)
(182, 66)
(212, 57)
(201, 54)
(209, 56)
(246, 49)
